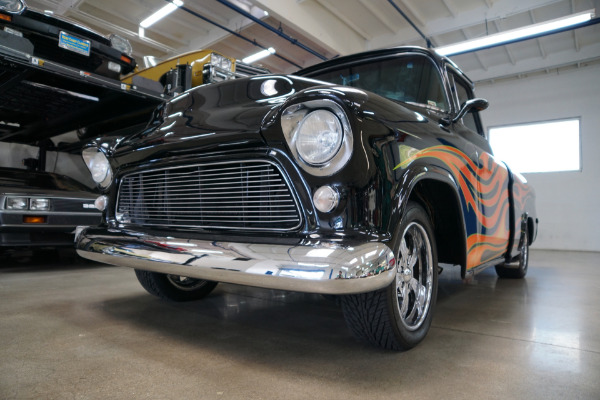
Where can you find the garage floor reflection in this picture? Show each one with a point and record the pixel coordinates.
(73, 329)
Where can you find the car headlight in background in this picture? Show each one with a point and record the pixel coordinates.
(17, 203)
(37, 204)
(27, 203)
(12, 6)
(319, 136)
(220, 61)
(119, 43)
(98, 165)
(114, 67)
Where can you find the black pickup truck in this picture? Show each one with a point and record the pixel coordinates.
(354, 177)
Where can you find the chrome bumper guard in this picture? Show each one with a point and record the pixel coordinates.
(327, 267)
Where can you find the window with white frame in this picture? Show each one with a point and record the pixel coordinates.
(549, 146)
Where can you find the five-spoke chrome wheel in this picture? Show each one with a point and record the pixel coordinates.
(414, 276)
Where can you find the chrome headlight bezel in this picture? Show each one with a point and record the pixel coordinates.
(292, 121)
(13, 6)
(98, 165)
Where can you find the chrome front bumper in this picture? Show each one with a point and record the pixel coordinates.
(328, 268)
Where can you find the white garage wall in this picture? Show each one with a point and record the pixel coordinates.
(568, 203)
(12, 154)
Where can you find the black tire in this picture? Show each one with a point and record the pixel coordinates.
(519, 271)
(398, 317)
(174, 287)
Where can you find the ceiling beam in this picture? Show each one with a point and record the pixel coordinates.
(317, 23)
(450, 8)
(477, 56)
(476, 16)
(509, 53)
(538, 41)
(215, 34)
(380, 15)
(334, 10)
(525, 66)
(64, 6)
(413, 13)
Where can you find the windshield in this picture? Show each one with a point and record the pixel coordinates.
(411, 78)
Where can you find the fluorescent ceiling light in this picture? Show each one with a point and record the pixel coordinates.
(160, 14)
(513, 35)
(141, 32)
(259, 55)
(149, 61)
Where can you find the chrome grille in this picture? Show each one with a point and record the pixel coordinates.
(246, 195)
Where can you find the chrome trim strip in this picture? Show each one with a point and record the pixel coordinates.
(328, 268)
(40, 226)
(94, 213)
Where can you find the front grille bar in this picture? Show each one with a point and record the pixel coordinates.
(231, 195)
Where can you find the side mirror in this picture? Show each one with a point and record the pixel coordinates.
(477, 104)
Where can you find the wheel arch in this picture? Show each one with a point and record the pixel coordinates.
(437, 192)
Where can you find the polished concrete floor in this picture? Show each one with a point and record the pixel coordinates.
(76, 330)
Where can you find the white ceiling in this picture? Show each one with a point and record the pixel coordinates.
(340, 27)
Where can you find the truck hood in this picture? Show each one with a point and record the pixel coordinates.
(227, 114)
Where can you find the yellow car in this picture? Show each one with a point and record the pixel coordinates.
(184, 71)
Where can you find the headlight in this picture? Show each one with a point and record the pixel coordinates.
(114, 67)
(319, 136)
(98, 165)
(220, 61)
(37, 204)
(12, 6)
(16, 203)
(119, 43)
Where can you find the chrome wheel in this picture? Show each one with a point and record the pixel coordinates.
(524, 259)
(514, 270)
(414, 277)
(185, 283)
(174, 287)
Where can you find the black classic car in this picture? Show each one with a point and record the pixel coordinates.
(354, 177)
(42, 209)
(47, 37)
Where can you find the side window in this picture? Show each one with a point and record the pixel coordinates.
(407, 78)
(464, 93)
